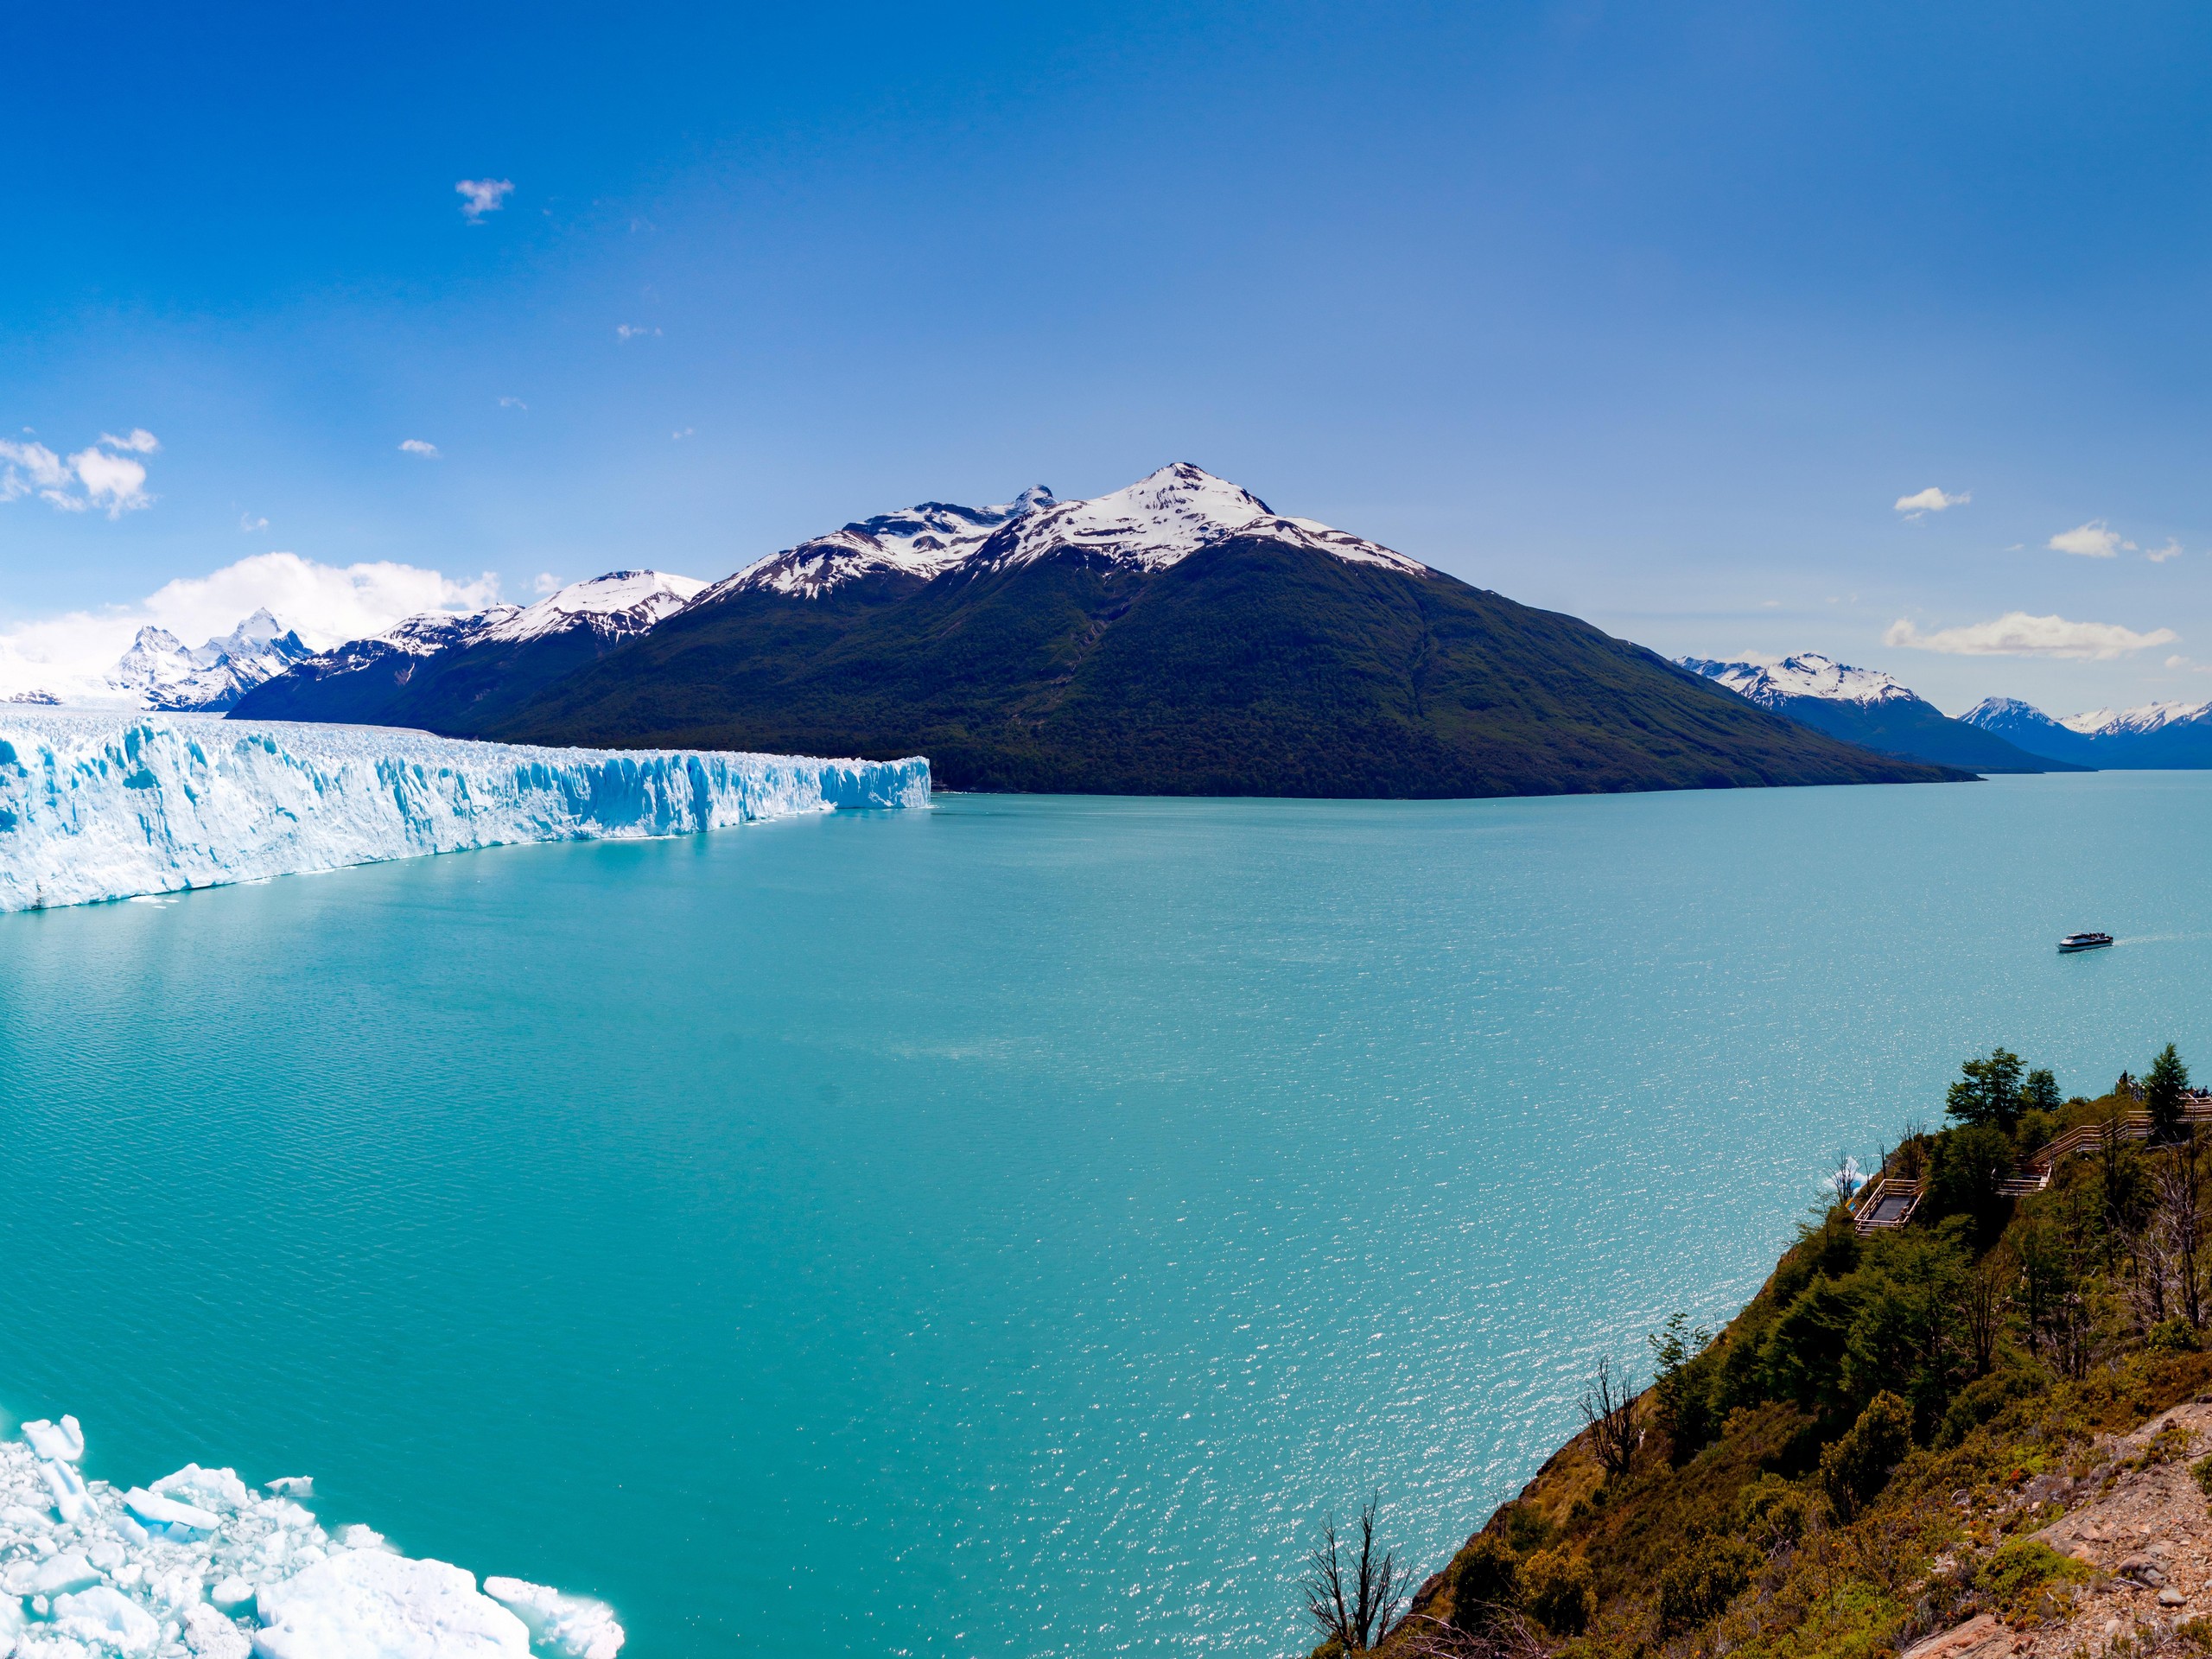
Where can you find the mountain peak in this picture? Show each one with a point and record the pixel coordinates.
(2144, 717)
(1809, 674)
(619, 602)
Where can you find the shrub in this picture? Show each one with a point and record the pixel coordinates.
(2203, 1470)
(1527, 1530)
(2021, 1567)
(1697, 1588)
(2175, 1336)
(1858, 1466)
(1774, 1514)
(1980, 1400)
(1561, 1593)
(1487, 1583)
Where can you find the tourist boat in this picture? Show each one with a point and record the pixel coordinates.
(2084, 942)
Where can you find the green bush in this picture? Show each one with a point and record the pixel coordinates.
(1696, 1589)
(1487, 1583)
(1982, 1399)
(1561, 1593)
(1774, 1514)
(2174, 1336)
(2203, 1470)
(1858, 1466)
(2021, 1567)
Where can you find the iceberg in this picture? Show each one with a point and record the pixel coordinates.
(233, 1576)
(112, 806)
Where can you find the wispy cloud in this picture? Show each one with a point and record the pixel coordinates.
(2017, 634)
(547, 583)
(1931, 499)
(416, 447)
(70, 654)
(2094, 540)
(684, 432)
(482, 196)
(249, 524)
(2172, 549)
(632, 331)
(102, 474)
(513, 402)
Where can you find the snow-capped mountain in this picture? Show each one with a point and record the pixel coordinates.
(2151, 735)
(160, 671)
(619, 603)
(1149, 526)
(474, 660)
(1806, 675)
(1164, 519)
(1867, 707)
(2144, 717)
(923, 540)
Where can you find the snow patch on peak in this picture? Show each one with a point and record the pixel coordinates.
(1809, 674)
(1166, 516)
(620, 602)
(160, 671)
(2144, 717)
(921, 540)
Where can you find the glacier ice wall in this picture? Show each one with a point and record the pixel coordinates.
(109, 806)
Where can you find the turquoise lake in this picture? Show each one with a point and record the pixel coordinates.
(1005, 1229)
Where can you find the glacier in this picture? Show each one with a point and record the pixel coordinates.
(96, 806)
(201, 1566)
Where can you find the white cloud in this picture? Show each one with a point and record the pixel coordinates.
(632, 331)
(249, 524)
(1931, 499)
(483, 196)
(417, 446)
(686, 432)
(2091, 540)
(2017, 634)
(114, 482)
(547, 583)
(2172, 549)
(513, 402)
(92, 477)
(326, 604)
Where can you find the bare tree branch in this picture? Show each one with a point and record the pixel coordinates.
(1356, 1601)
(1609, 1409)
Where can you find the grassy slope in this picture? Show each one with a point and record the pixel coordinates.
(1864, 1586)
(1253, 667)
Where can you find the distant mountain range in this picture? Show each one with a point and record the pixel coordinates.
(161, 671)
(1866, 705)
(1175, 637)
(2155, 737)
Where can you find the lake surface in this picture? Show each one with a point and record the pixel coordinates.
(1006, 1229)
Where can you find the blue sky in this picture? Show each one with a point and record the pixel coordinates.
(1650, 314)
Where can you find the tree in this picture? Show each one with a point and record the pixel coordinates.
(1684, 1410)
(1355, 1602)
(1609, 1411)
(1487, 1584)
(1855, 1468)
(2040, 1092)
(1561, 1590)
(1988, 1092)
(1966, 1176)
(2164, 1085)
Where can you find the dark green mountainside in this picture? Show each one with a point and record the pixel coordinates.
(1256, 666)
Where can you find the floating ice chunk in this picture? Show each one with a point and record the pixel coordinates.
(165, 1516)
(107, 1617)
(212, 1489)
(230, 1593)
(54, 1576)
(210, 1635)
(365, 1604)
(572, 1626)
(68, 1487)
(292, 1486)
(358, 1537)
(64, 1441)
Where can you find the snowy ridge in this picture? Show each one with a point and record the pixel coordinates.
(1162, 519)
(619, 603)
(1807, 674)
(2144, 717)
(96, 807)
(199, 1563)
(923, 540)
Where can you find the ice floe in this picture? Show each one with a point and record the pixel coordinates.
(199, 1565)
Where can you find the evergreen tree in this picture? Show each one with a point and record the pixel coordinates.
(2040, 1094)
(2164, 1085)
(1989, 1091)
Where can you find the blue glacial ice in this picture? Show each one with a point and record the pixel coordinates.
(111, 806)
(200, 1565)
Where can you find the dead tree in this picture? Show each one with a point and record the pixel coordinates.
(2179, 1181)
(1843, 1181)
(1608, 1410)
(1355, 1601)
